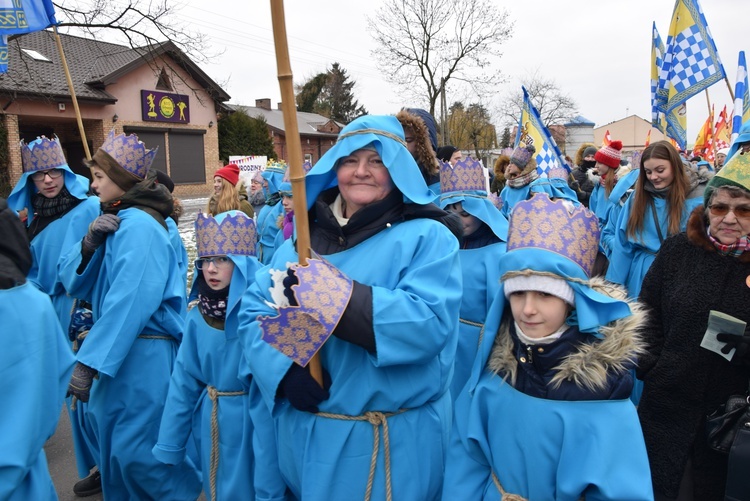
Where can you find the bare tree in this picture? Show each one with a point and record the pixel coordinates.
(554, 106)
(427, 43)
(140, 23)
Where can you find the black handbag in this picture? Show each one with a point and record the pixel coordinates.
(722, 425)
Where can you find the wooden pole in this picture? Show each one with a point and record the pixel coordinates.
(72, 93)
(711, 116)
(729, 86)
(294, 147)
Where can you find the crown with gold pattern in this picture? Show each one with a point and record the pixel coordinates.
(555, 226)
(235, 234)
(466, 175)
(278, 167)
(129, 152)
(322, 295)
(42, 154)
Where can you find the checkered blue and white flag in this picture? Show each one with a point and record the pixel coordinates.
(691, 61)
(741, 97)
(531, 131)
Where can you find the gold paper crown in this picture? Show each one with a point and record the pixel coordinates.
(42, 154)
(466, 175)
(555, 226)
(234, 234)
(130, 153)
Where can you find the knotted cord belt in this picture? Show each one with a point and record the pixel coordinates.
(376, 419)
(214, 395)
(504, 496)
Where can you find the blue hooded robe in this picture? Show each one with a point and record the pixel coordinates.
(209, 356)
(617, 199)
(133, 282)
(479, 270)
(540, 448)
(413, 271)
(269, 215)
(35, 367)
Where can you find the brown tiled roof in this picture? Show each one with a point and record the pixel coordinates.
(93, 65)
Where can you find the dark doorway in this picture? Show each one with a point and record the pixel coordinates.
(75, 155)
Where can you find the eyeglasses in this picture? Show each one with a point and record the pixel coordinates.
(218, 261)
(721, 210)
(52, 173)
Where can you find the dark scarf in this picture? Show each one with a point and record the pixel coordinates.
(147, 195)
(587, 164)
(49, 210)
(482, 237)
(57, 206)
(273, 199)
(213, 303)
(650, 188)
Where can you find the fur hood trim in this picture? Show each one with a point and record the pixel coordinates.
(698, 236)
(589, 366)
(593, 176)
(500, 164)
(426, 157)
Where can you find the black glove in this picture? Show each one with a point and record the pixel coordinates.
(80, 382)
(98, 231)
(302, 391)
(741, 345)
(289, 280)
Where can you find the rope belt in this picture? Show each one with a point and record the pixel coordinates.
(376, 419)
(504, 496)
(214, 395)
(469, 322)
(151, 336)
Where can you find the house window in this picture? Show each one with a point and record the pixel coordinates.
(308, 157)
(187, 159)
(36, 56)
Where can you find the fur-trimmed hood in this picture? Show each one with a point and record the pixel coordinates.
(581, 149)
(698, 235)
(426, 157)
(590, 365)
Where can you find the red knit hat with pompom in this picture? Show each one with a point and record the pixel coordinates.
(610, 155)
(230, 172)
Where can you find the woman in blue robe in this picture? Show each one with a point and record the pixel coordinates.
(482, 247)
(389, 360)
(545, 413)
(127, 268)
(620, 194)
(35, 366)
(665, 194)
(205, 372)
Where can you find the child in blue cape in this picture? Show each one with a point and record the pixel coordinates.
(269, 214)
(463, 191)
(545, 414)
(205, 372)
(128, 269)
(35, 365)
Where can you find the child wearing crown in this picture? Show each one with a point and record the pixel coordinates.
(205, 372)
(128, 269)
(546, 414)
(485, 232)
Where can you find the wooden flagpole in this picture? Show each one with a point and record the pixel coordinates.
(294, 147)
(72, 93)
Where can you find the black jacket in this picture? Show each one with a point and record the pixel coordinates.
(682, 381)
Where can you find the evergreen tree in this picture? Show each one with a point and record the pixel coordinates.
(505, 141)
(240, 134)
(330, 94)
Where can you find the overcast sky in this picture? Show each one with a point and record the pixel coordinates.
(597, 51)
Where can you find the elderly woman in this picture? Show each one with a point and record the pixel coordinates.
(706, 268)
(389, 360)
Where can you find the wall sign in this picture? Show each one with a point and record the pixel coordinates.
(165, 107)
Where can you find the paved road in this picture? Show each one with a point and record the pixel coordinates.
(59, 448)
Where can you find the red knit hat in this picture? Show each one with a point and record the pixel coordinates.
(610, 155)
(230, 172)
